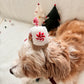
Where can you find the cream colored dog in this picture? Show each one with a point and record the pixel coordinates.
(61, 59)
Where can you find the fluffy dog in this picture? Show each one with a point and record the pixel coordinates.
(61, 59)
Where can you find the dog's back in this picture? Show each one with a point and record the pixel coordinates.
(72, 33)
(71, 30)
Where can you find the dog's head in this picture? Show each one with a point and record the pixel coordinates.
(49, 61)
(31, 55)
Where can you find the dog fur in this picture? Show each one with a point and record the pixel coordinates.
(62, 58)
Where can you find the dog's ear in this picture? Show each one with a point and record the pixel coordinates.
(59, 66)
(25, 69)
(28, 69)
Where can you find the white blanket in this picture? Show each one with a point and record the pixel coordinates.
(24, 9)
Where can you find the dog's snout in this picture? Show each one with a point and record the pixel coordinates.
(11, 71)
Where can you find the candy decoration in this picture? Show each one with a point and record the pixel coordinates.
(25, 40)
(40, 36)
(35, 21)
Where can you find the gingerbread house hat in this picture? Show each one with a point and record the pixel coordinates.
(39, 34)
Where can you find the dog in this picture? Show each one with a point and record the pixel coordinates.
(61, 60)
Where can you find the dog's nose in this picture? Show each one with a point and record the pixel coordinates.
(11, 71)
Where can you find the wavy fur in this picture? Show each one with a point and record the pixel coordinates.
(62, 59)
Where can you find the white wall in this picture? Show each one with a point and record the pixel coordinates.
(24, 9)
